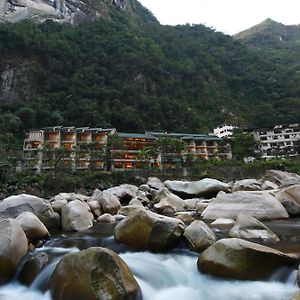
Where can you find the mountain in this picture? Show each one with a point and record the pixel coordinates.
(71, 11)
(270, 33)
(125, 70)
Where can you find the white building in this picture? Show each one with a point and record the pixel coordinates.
(277, 141)
(224, 131)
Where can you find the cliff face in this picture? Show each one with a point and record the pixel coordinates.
(72, 11)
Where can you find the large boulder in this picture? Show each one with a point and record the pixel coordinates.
(247, 227)
(155, 183)
(260, 205)
(290, 198)
(93, 274)
(243, 260)
(13, 246)
(204, 187)
(13, 206)
(69, 197)
(281, 178)
(32, 226)
(246, 185)
(199, 236)
(124, 192)
(222, 223)
(108, 201)
(57, 205)
(76, 216)
(165, 198)
(145, 230)
(32, 267)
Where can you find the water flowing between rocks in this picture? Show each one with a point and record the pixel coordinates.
(171, 276)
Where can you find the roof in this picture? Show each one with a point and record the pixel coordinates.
(184, 136)
(136, 135)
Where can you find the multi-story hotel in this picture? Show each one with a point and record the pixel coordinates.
(89, 148)
(279, 140)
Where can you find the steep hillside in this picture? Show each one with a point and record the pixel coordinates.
(137, 75)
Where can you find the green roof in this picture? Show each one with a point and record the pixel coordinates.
(136, 135)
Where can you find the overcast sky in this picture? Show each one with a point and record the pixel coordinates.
(229, 16)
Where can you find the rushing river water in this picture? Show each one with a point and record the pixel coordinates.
(171, 276)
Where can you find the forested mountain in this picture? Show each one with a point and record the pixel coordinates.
(128, 71)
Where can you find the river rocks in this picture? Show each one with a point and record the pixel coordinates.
(76, 216)
(260, 205)
(32, 267)
(282, 179)
(145, 230)
(164, 198)
(246, 185)
(247, 227)
(202, 205)
(57, 205)
(13, 246)
(95, 208)
(13, 206)
(222, 223)
(69, 197)
(124, 192)
(93, 274)
(106, 218)
(238, 259)
(185, 217)
(109, 202)
(204, 187)
(269, 185)
(155, 183)
(32, 226)
(199, 236)
(290, 198)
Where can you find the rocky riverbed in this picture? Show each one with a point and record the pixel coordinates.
(202, 240)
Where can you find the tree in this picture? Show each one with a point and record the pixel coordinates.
(170, 150)
(243, 145)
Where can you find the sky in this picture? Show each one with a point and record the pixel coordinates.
(228, 16)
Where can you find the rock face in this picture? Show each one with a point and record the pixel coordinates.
(239, 259)
(76, 216)
(204, 187)
(32, 226)
(290, 198)
(260, 205)
(57, 10)
(93, 274)
(145, 230)
(13, 206)
(282, 179)
(246, 185)
(247, 227)
(13, 246)
(199, 236)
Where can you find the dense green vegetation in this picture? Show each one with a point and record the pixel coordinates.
(137, 76)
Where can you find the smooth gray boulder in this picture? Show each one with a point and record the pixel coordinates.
(155, 183)
(199, 236)
(281, 178)
(57, 205)
(222, 223)
(165, 198)
(124, 192)
(290, 199)
(13, 246)
(238, 259)
(260, 205)
(145, 230)
(108, 201)
(93, 274)
(32, 226)
(106, 218)
(95, 207)
(13, 206)
(76, 216)
(69, 197)
(204, 187)
(247, 227)
(269, 185)
(246, 185)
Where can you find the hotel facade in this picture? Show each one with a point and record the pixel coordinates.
(85, 148)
